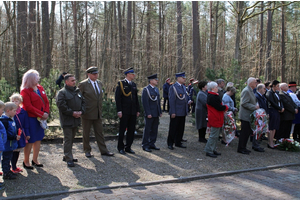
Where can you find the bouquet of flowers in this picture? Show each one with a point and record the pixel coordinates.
(288, 145)
(259, 122)
(229, 127)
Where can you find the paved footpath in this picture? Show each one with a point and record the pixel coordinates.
(283, 183)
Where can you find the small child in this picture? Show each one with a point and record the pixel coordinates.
(22, 121)
(12, 139)
(2, 138)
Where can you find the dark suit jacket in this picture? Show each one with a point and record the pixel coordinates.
(93, 102)
(289, 107)
(273, 100)
(128, 105)
(262, 102)
(151, 107)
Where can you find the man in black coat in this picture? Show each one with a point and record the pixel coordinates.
(151, 104)
(128, 110)
(287, 117)
(166, 88)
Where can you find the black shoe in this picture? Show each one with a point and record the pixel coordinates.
(122, 152)
(155, 148)
(270, 147)
(170, 147)
(70, 164)
(27, 167)
(259, 149)
(243, 152)
(130, 151)
(74, 160)
(248, 150)
(183, 140)
(88, 154)
(222, 142)
(37, 165)
(9, 175)
(180, 146)
(217, 153)
(147, 149)
(211, 155)
(203, 140)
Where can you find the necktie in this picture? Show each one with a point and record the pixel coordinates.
(97, 91)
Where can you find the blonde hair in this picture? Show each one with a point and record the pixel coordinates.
(16, 96)
(10, 106)
(28, 78)
(2, 104)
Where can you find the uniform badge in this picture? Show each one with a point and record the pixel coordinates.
(180, 95)
(79, 95)
(43, 92)
(13, 124)
(153, 97)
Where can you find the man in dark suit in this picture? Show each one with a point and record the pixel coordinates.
(263, 103)
(91, 89)
(179, 101)
(151, 104)
(166, 88)
(128, 110)
(287, 117)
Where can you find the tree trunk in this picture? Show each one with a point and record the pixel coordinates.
(46, 38)
(62, 39)
(214, 47)
(196, 42)
(148, 39)
(39, 49)
(16, 78)
(31, 29)
(128, 39)
(52, 19)
(77, 72)
(237, 52)
(211, 38)
(86, 37)
(268, 53)
(122, 65)
(67, 40)
(261, 40)
(179, 37)
(283, 56)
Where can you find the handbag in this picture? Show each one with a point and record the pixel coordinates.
(26, 141)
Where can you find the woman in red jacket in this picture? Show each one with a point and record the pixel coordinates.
(215, 110)
(36, 103)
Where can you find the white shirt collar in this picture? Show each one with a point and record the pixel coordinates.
(127, 80)
(178, 83)
(151, 85)
(92, 81)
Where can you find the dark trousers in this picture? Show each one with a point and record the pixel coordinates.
(127, 121)
(246, 131)
(69, 134)
(6, 159)
(202, 133)
(14, 159)
(166, 100)
(176, 130)
(296, 134)
(150, 132)
(284, 129)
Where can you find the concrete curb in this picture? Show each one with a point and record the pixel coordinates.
(173, 180)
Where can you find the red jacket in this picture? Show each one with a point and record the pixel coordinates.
(33, 103)
(215, 110)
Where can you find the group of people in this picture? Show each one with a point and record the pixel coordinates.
(21, 125)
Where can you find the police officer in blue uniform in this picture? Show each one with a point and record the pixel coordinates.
(179, 101)
(128, 110)
(152, 108)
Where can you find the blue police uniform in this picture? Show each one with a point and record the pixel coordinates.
(178, 100)
(151, 105)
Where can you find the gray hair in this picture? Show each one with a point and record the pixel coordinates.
(281, 85)
(250, 80)
(260, 86)
(231, 89)
(229, 84)
(211, 85)
(219, 81)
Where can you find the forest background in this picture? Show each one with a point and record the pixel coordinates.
(207, 39)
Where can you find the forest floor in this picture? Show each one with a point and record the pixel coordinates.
(133, 168)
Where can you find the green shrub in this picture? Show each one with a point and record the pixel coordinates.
(6, 90)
